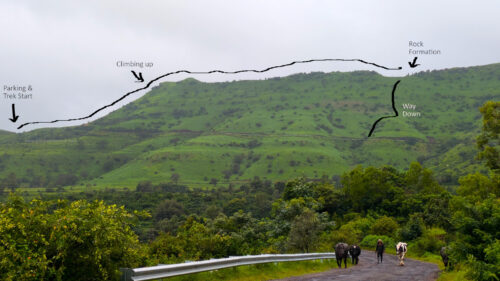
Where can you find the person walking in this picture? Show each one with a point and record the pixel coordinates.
(380, 250)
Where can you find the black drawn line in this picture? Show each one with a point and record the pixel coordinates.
(396, 114)
(204, 72)
(14, 116)
(414, 63)
(138, 77)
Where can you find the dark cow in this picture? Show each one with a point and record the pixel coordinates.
(354, 251)
(341, 252)
(444, 255)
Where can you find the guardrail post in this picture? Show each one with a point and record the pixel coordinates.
(126, 274)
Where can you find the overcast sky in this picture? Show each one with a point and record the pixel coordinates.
(67, 50)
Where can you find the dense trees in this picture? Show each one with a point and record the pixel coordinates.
(54, 239)
(476, 210)
(304, 231)
(190, 224)
(57, 240)
(384, 226)
(167, 209)
(477, 226)
(11, 181)
(489, 140)
(66, 179)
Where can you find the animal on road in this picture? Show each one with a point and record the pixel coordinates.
(401, 249)
(354, 251)
(341, 252)
(444, 255)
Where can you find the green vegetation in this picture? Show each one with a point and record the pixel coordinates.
(261, 272)
(204, 192)
(57, 240)
(214, 134)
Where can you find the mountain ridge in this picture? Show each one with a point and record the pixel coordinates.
(311, 124)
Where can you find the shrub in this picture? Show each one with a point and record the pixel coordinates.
(426, 244)
(166, 249)
(480, 270)
(167, 209)
(413, 228)
(56, 240)
(304, 231)
(144, 186)
(357, 229)
(66, 179)
(337, 236)
(384, 226)
(298, 188)
(371, 241)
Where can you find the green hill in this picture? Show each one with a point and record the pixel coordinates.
(305, 124)
(2, 132)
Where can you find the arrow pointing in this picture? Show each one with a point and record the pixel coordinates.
(413, 64)
(138, 77)
(14, 116)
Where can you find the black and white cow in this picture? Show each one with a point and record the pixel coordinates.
(401, 249)
(341, 252)
(354, 251)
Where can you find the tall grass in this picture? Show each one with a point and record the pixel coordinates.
(258, 272)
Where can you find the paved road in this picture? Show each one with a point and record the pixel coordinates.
(369, 270)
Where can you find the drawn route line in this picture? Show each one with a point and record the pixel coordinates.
(393, 108)
(205, 72)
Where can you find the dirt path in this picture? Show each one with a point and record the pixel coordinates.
(368, 269)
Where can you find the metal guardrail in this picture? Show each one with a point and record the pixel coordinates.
(164, 271)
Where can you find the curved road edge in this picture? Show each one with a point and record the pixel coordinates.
(369, 270)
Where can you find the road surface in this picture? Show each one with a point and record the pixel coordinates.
(368, 269)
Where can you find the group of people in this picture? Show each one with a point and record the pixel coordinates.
(342, 250)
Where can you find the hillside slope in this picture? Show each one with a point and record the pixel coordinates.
(305, 124)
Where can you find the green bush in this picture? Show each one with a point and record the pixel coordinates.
(361, 226)
(328, 240)
(337, 236)
(353, 231)
(432, 240)
(385, 226)
(56, 240)
(370, 241)
(426, 243)
(413, 228)
(480, 270)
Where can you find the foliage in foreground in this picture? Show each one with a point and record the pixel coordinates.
(57, 240)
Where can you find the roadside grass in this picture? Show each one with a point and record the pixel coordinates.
(458, 275)
(262, 272)
(452, 276)
(444, 275)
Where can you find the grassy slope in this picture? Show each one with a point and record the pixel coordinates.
(262, 272)
(305, 124)
(3, 133)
